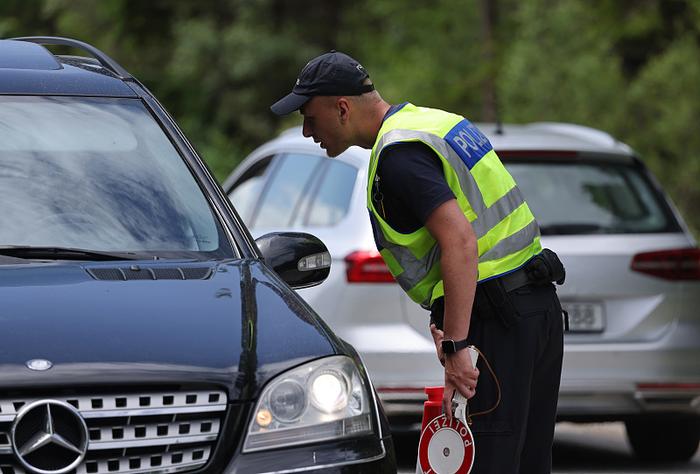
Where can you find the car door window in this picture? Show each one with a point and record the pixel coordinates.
(246, 191)
(332, 200)
(283, 197)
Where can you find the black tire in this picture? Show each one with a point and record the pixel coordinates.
(671, 439)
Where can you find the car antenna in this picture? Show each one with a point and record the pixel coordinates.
(497, 113)
(499, 127)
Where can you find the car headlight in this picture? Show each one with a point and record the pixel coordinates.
(323, 400)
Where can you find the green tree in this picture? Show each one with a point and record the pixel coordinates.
(629, 68)
(665, 107)
(561, 66)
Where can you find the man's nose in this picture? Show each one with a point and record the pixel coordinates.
(306, 130)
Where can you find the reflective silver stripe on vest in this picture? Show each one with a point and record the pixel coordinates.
(414, 269)
(498, 211)
(514, 242)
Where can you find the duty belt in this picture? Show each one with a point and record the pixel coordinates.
(514, 280)
(541, 269)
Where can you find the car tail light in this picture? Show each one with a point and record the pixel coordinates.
(676, 264)
(367, 267)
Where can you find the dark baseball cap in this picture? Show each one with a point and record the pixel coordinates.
(333, 73)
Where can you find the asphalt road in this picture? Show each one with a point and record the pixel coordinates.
(591, 449)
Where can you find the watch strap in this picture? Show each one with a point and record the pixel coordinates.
(450, 346)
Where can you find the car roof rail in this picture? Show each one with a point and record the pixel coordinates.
(104, 60)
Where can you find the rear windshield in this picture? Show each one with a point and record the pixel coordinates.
(592, 197)
(98, 174)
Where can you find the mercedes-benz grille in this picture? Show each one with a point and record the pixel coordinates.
(154, 432)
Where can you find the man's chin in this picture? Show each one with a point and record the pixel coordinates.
(334, 153)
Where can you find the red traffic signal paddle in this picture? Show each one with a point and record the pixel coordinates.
(445, 447)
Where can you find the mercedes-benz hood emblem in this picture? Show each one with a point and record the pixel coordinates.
(49, 437)
(39, 364)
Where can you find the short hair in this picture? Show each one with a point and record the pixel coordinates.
(367, 97)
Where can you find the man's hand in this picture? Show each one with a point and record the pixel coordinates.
(459, 372)
(459, 375)
(438, 336)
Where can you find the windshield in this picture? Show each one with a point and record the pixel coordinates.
(98, 174)
(596, 197)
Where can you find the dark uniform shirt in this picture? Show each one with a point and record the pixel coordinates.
(411, 184)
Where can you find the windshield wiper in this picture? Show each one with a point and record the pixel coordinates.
(63, 253)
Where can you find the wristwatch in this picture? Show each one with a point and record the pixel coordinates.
(450, 346)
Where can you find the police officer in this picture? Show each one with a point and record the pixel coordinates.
(460, 239)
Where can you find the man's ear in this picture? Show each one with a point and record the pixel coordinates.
(343, 107)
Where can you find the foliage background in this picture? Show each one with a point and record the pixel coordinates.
(630, 68)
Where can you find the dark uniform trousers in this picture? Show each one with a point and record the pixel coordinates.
(526, 356)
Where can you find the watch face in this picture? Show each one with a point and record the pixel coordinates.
(448, 346)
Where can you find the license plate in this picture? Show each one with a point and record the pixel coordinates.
(585, 317)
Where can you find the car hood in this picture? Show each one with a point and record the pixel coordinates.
(232, 324)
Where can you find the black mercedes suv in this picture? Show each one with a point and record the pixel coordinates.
(142, 330)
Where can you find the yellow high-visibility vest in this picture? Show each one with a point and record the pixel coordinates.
(508, 235)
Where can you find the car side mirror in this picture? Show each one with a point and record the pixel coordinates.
(300, 259)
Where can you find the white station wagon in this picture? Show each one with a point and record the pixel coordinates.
(632, 290)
